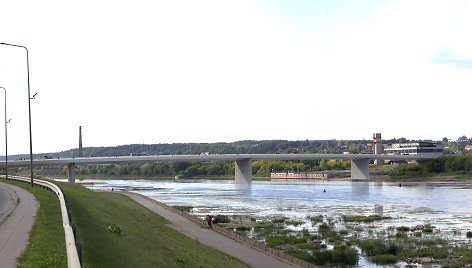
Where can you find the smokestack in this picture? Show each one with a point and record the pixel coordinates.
(81, 153)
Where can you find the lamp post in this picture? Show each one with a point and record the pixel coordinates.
(29, 108)
(6, 139)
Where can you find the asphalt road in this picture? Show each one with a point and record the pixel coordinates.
(18, 219)
(7, 202)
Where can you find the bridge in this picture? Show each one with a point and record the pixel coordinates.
(243, 162)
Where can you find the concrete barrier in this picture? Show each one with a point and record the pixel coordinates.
(273, 252)
(73, 260)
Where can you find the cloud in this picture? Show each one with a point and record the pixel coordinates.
(452, 59)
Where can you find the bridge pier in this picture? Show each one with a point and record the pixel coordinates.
(71, 169)
(360, 169)
(243, 171)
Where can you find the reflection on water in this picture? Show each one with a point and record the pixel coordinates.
(444, 204)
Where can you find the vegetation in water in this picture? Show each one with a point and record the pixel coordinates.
(348, 232)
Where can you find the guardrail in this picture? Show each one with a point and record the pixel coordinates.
(74, 250)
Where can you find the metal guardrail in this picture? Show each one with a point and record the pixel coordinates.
(72, 248)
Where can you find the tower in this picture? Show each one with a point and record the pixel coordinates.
(378, 143)
(81, 153)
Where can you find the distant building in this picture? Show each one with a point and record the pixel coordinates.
(462, 142)
(468, 147)
(378, 143)
(414, 148)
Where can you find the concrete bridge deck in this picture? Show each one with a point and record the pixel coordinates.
(243, 170)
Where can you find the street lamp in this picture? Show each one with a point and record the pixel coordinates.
(29, 108)
(6, 139)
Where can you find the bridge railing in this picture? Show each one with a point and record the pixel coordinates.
(72, 248)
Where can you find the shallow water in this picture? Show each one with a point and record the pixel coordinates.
(443, 204)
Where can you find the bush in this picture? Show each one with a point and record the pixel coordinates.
(308, 246)
(303, 255)
(243, 228)
(323, 257)
(274, 242)
(338, 256)
(384, 259)
(403, 229)
(316, 219)
(222, 219)
(345, 256)
(278, 220)
(469, 234)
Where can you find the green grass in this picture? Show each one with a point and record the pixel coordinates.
(46, 247)
(141, 237)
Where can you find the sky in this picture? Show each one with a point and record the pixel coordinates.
(145, 72)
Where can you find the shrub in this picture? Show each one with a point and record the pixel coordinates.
(294, 223)
(243, 228)
(308, 246)
(279, 220)
(305, 233)
(384, 259)
(274, 242)
(338, 256)
(222, 219)
(323, 257)
(303, 255)
(469, 234)
(345, 256)
(316, 219)
(403, 229)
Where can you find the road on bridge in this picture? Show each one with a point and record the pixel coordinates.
(16, 221)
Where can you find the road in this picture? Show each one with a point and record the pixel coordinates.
(16, 221)
(243, 252)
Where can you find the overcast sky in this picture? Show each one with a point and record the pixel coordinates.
(221, 71)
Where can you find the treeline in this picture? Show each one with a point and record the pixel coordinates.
(239, 147)
(460, 164)
(218, 168)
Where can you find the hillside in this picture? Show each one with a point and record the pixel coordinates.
(238, 147)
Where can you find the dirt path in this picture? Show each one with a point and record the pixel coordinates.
(245, 253)
(18, 219)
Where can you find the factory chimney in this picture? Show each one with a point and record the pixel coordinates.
(81, 153)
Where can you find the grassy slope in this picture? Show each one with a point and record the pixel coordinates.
(147, 241)
(46, 246)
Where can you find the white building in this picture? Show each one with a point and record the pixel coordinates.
(414, 148)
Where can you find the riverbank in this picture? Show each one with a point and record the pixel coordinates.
(116, 232)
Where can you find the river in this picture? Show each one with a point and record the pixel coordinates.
(444, 204)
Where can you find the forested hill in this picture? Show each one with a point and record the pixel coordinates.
(239, 147)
